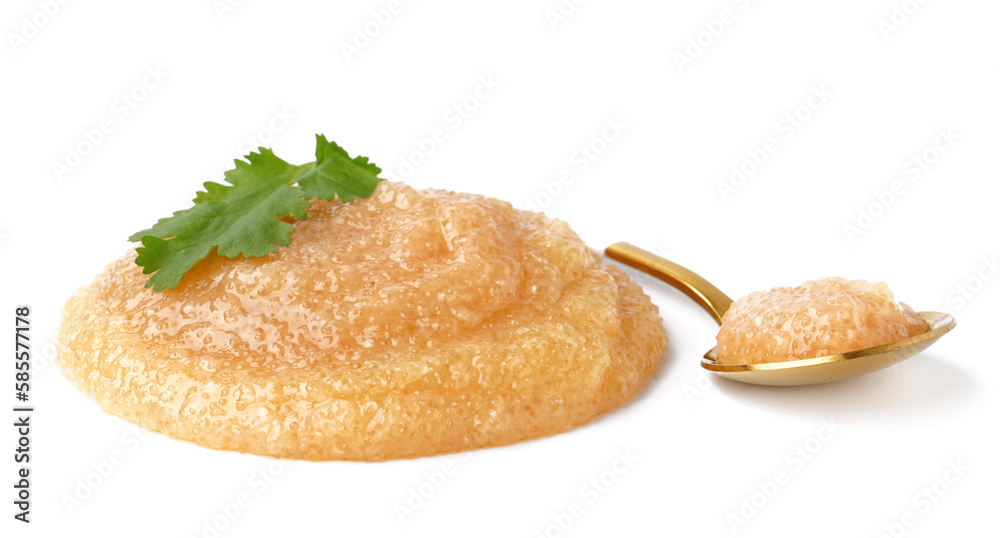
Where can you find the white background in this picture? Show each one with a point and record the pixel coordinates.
(698, 447)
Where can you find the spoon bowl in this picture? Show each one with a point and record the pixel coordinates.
(785, 373)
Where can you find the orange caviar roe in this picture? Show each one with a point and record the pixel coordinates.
(818, 318)
(407, 324)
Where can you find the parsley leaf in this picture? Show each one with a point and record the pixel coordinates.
(242, 218)
(336, 174)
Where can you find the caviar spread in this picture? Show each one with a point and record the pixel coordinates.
(406, 324)
(818, 318)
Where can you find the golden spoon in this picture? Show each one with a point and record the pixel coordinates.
(787, 373)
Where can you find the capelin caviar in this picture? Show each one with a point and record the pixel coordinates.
(407, 324)
(818, 318)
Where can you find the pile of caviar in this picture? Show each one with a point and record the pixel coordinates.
(407, 324)
(818, 318)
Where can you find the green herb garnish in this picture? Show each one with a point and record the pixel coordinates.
(242, 218)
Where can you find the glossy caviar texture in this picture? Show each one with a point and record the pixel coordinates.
(408, 324)
(818, 318)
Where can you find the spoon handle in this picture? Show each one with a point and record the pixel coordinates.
(702, 291)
